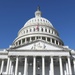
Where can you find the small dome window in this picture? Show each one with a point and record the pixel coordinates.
(45, 30)
(28, 39)
(30, 30)
(56, 42)
(43, 38)
(52, 40)
(49, 30)
(48, 39)
(33, 38)
(16, 43)
(19, 42)
(42, 29)
(34, 29)
(26, 31)
(23, 40)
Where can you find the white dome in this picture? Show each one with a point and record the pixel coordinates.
(38, 20)
(37, 28)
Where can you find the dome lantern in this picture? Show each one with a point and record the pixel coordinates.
(38, 12)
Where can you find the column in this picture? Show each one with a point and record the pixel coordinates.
(74, 65)
(58, 42)
(43, 65)
(25, 66)
(35, 38)
(30, 39)
(2, 65)
(55, 41)
(34, 65)
(16, 66)
(52, 66)
(25, 40)
(46, 38)
(69, 64)
(21, 42)
(10, 67)
(67, 69)
(61, 67)
(51, 40)
(8, 61)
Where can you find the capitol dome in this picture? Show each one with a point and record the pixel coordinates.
(37, 28)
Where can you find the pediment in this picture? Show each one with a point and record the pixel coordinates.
(39, 45)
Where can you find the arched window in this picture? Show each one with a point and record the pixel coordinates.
(28, 39)
(43, 38)
(34, 29)
(56, 42)
(19, 42)
(45, 30)
(23, 40)
(48, 39)
(24, 32)
(49, 30)
(30, 30)
(33, 38)
(52, 40)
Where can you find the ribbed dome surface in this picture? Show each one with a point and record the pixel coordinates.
(38, 20)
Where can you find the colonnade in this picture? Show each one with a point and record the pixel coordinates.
(68, 66)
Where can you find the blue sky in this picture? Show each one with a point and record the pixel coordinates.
(14, 14)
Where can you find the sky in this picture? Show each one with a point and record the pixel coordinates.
(15, 13)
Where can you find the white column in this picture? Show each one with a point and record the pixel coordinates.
(61, 67)
(8, 61)
(10, 67)
(43, 65)
(52, 66)
(46, 38)
(25, 40)
(69, 64)
(51, 40)
(25, 66)
(67, 71)
(74, 65)
(55, 41)
(16, 66)
(2, 65)
(34, 65)
(30, 39)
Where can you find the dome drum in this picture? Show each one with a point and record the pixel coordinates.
(35, 37)
(41, 29)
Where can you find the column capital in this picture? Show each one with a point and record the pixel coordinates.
(51, 56)
(34, 56)
(60, 56)
(43, 56)
(68, 56)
